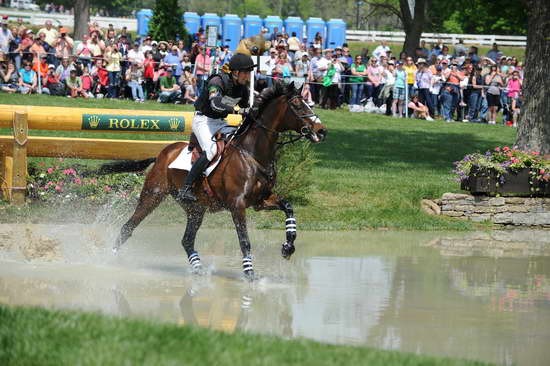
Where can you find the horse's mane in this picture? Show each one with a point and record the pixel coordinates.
(267, 95)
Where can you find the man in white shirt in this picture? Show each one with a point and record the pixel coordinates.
(381, 50)
(51, 33)
(5, 35)
(135, 56)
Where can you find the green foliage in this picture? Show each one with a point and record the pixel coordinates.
(257, 7)
(294, 171)
(167, 22)
(453, 24)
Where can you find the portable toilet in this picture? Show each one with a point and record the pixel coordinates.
(252, 25)
(272, 22)
(314, 25)
(211, 19)
(336, 33)
(232, 26)
(143, 17)
(192, 22)
(294, 24)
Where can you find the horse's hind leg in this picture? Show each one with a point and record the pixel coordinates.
(195, 215)
(149, 199)
(239, 219)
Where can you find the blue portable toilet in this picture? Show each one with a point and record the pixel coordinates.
(252, 25)
(294, 24)
(192, 22)
(336, 33)
(232, 27)
(211, 19)
(315, 25)
(143, 17)
(271, 22)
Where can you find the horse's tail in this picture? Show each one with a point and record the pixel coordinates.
(126, 166)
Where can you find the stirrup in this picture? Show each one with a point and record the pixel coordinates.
(185, 193)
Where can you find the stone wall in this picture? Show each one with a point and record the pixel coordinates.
(518, 211)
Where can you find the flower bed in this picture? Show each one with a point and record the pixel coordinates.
(505, 171)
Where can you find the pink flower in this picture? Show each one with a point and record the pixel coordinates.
(58, 188)
(514, 160)
(69, 171)
(505, 148)
(541, 171)
(516, 147)
(50, 183)
(546, 177)
(107, 189)
(51, 170)
(497, 148)
(77, 181)
(93, 181)
(508, 154)
(535, 153)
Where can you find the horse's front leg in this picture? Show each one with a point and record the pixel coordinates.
(239, 219)
(274, 202)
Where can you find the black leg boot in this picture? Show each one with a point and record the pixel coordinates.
(186, 192)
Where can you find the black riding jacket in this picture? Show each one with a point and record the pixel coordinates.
(220, 95)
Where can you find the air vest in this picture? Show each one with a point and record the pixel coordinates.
(228, 89)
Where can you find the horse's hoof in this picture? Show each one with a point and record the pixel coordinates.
(198, 270)
(115, 250)
(249, 275)
(287, 250)
(196, 265)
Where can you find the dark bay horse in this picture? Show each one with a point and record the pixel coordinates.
(244, 177)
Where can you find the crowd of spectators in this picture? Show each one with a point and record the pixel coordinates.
(431, 83)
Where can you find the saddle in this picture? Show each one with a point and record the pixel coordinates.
(195, 148)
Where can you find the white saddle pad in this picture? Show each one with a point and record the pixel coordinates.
(183, 162)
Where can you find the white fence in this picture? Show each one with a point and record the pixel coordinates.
(480, 39)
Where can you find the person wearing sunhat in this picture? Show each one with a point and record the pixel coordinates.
(224, 93)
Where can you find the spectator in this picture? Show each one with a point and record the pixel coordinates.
(135, 55)
(374, 78)
(410, 68)
(6, 36)
(41, 68)
(113, 57)
(330, 81)
(425, 53)
(322, 67)
(63, 69)
(149, 74)
(514, 90)
(96, 45)
(134, 76)
(357, 78)
(381, 50)
(146, 46)
(87, 82)
(423, 83)
(399, 90)
(293, 46)
(169, 88)
(472, 55)
(495, 82)
(124, 33)
(460, 48)
(475, 84)
(9, 78)
(190, 84)
(23, 51)
(202, 67)
(84, 52)
(74, 86)
(173, 61)
(52, 83)
(101, 76)
(494, 53)
(27, 80)
(418, 109)
(435, 89)
(51, 34)
(388, 79)
(451, 90)
(63, 45)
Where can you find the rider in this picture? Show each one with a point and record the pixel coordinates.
(224, 93)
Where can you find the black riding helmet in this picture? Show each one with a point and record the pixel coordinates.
(240, 62)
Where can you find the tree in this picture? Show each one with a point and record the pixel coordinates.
(167, 22)
(534, 123)
(81, 18)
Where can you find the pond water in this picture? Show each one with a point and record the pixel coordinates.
(483, 296)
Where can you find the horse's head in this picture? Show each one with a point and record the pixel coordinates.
(300, 117)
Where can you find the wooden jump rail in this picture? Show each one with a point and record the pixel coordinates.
(15, 149)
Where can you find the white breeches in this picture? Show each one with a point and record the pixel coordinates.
(206, 127)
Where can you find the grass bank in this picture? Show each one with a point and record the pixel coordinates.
(372, 171)
(31, 336)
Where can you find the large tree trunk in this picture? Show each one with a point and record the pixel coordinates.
(413, 25)
(534, 121)
(81, 18)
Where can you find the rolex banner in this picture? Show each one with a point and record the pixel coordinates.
(111, 122)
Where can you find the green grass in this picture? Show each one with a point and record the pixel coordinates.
(372, 171)
(357, 47)
(33, 336)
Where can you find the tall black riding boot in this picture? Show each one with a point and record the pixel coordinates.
(185, 193)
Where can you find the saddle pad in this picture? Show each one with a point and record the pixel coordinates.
(183, 162)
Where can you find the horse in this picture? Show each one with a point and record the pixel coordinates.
(244, 177)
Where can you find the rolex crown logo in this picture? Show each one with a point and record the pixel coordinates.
(174, 123)
(94, 121)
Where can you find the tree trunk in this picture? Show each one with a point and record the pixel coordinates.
(413, 25)
(534, 121)
(81, 18)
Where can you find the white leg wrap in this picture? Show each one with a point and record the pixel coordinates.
(247, 264)
(291, 224)
(195, 261)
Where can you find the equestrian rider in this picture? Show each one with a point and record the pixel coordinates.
(224, 93)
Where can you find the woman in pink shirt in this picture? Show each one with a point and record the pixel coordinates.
(514, 91)
(374, 78)
(202, 66)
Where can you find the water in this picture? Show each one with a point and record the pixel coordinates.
(477, 296)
